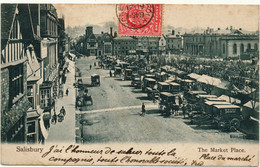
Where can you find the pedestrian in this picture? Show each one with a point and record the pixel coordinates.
(180, 100)
(143, 110)
(53, 103)
(54, 118)
(184, 110)
(110, 73)
(60, 117)
(63, 111)
(67, 91)
(90, 66)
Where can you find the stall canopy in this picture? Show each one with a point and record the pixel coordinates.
(229, 99)
(194, 76)
(213, 81)
(250, 105)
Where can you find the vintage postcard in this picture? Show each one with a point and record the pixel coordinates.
(129, 84)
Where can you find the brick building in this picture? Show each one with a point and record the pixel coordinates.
(123, 45)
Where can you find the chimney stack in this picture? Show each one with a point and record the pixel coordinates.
(173, 32)
(115, 34)
(111, 30)
(89, 31)
(218, 28)
(231, 27)
(240, 28)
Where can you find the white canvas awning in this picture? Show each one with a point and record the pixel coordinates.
(43, 129)
(229, 99)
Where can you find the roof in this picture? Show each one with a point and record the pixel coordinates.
(123, 38)
(7, 16)
(194, 75)
(149, 75)
(167, 94)
(229, 99)
(213, 81)
(150, 79)
(216, 102)
(206, 96)
(240, 37)
(198, 92)
(187, 80)
(94, 75)
(33, 78)
(174, 83)
(226, 106)
(173, 36)
(169, 80)
(91, 36)
(163, 83)
(215, 99)
(249, 105)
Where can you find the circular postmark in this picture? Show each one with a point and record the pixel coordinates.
(135, 16)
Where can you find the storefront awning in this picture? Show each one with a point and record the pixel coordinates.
(43, 129)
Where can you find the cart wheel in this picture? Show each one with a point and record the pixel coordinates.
(222, 126)
(235, 123)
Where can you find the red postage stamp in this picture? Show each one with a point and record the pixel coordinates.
(140, 19)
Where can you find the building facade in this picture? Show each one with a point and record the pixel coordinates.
(226, 43)
(124, 44)
(105, 43)
(29, 70)
(162, 44)
(14, 102)
(173, 43)
(234, 46)
(90, 43)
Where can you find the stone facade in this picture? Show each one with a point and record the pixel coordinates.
(227, 43)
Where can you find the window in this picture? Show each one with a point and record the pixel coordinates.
(92, 44)
(16, 82)
(45, 98)
(241, 48)
(224, 49)
(256, 47)
(235, 49)
(30, 93)
(248, 46)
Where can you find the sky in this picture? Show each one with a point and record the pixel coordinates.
(186, 16)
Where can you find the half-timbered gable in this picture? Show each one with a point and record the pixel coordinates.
(14, 102)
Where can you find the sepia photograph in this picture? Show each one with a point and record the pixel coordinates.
(130, 84)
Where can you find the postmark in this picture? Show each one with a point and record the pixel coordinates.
(139, 19)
